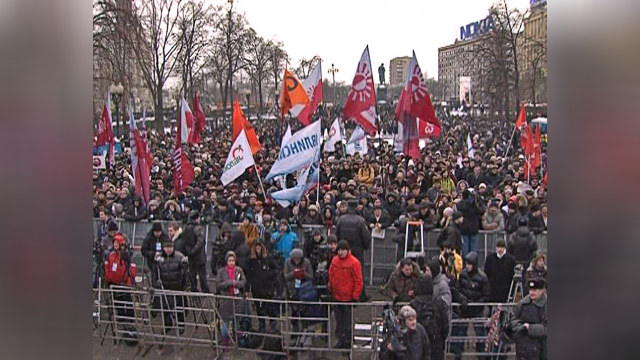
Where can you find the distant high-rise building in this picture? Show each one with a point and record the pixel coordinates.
(399, 70)
(461, 59)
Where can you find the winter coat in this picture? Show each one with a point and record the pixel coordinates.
(194, 244)
(531, 344)
(353, 228)
(173, 271)
(178, 241)
(251, 233)
(452, 235)
(432, 312)
(398, 286)
(285, 242)
(471, 216)
(308, 219)
(384, 220)
(290, 280)
(226, 306)
(219, 248)
(488, 218)
(115, 270)
(536, 224)
(135, 213)
(522, 245)
(148, 247)
(345, 278)
(441, 290)
(499, 271)
(417, 343)
(366, 176)
(261, 275)
(474, 285)
(314, 253)
(533, 273)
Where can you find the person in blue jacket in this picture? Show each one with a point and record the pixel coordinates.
(285, 239)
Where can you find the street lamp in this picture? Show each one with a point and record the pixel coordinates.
(116, 94)
(333, 72)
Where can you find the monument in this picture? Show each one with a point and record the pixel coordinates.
(381, 94)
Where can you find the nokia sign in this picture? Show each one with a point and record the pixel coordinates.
(477, 28)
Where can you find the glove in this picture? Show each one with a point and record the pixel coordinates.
(298, 274)
(185, 259)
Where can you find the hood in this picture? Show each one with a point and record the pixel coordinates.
(434, 266)
(237, 238)
(472, 258)
(424, 286)
(226, 227)
(440, 278)
(523, 231)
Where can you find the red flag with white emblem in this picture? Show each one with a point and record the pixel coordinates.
(361, 100)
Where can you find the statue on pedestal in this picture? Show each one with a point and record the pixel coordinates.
(381, 74)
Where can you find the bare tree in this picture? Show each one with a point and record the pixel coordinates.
(230, 36)
(279, 59)
(154, 38)
(258, 58)
(195, 27)
(305, 66)
(536, 56)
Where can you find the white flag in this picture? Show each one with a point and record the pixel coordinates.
(469, 146)
(239, 159)
(185, 112)
(357, 142)
(335, 135)
(298, 152)
(285, 138)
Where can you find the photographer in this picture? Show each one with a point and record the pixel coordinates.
(415, 341)
(401, 286)
(315, 248)
(528, 323)
(432, 315)
(118, 269)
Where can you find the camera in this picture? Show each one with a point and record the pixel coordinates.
(393, 332)
(517, 272)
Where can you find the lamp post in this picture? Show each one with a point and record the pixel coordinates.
(333, 72)
(116, 94)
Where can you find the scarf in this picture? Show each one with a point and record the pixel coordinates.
(231, 273)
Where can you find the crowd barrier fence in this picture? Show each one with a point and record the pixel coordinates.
(295, 327)
(383, 253)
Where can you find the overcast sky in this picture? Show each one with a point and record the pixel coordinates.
(339, 30)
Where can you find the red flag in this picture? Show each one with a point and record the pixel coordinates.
(199, 123)
(105, 132)
(361, 100)
(526, 141)
(142, 169)
(183, 173)
(522, 119)
(240, 122)
(408, 134)
(536, 156)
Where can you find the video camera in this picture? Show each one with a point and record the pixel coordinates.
(392, 331)
(517, 272)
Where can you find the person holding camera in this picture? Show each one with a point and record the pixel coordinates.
(432, 313)
(194, 247)
(172, 271)
(152, 247)
(401, 286)
(415, 341)
(527, 325)
(118, 269)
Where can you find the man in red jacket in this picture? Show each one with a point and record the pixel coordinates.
(345, 284)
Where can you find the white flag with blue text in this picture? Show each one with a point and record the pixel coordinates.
(357, 142)
(308, 178)
(298, 152)
(469, 146)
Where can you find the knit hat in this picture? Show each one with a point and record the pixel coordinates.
(119, 239)
(229, 254)
(156, 226)
(297, 254)
(343, 245)
(313, 208)
(523, 221)
(113, 226)
(456, 215)
(434, 266)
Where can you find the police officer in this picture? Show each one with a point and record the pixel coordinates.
(528, 322)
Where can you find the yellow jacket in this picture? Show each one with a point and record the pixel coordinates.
(251, 233)
(365, 176)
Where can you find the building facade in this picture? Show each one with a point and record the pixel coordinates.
(533, 55)
(461, 59)
(399, 70)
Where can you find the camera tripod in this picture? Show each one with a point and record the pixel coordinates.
(515, 295)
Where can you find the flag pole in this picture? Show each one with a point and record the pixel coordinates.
(509, 146)
(529, 169)
(260, 180)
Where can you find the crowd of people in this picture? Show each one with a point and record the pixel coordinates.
(446, 189)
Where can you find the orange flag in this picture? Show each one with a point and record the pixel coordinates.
(240, 122)
(292, 93)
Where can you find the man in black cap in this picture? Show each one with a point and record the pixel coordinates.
(151, 248)
(194, 248)
(499, 269)
(528, 322)
(353, 228)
